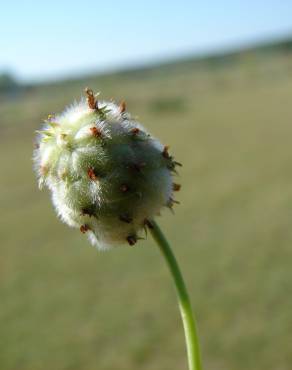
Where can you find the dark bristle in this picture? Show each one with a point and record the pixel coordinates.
(174, 201)
(135, 131)
(171, 202)
(95, 132)
(132, 239)
(91, 101)
(171, 166)
(176, 187)
(123, 106)
(84, 228)
(148, 223)
(91, 174)
(87, 212)
(165, 153)
(126, 218)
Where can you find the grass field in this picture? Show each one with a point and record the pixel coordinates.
(63, 305)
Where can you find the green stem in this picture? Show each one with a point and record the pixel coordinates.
(189, 324)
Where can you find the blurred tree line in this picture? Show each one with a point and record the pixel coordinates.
(8, 84)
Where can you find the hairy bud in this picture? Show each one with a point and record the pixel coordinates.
(107, 175)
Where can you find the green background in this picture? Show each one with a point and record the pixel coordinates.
(64, 305)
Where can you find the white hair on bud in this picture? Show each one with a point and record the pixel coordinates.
(106, 173)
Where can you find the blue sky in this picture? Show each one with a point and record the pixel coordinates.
(49, 39)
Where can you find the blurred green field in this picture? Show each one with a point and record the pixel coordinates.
(64, 305)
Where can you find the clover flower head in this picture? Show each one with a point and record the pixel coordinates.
(107, 175)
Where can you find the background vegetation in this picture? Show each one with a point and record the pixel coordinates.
(63, 305)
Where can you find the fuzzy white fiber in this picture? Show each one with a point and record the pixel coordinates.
(106, 173)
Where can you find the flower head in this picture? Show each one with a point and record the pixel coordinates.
(107, 175)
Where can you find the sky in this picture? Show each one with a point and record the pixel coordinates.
(42, 40)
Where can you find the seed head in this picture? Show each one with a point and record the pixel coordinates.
(106, 174)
